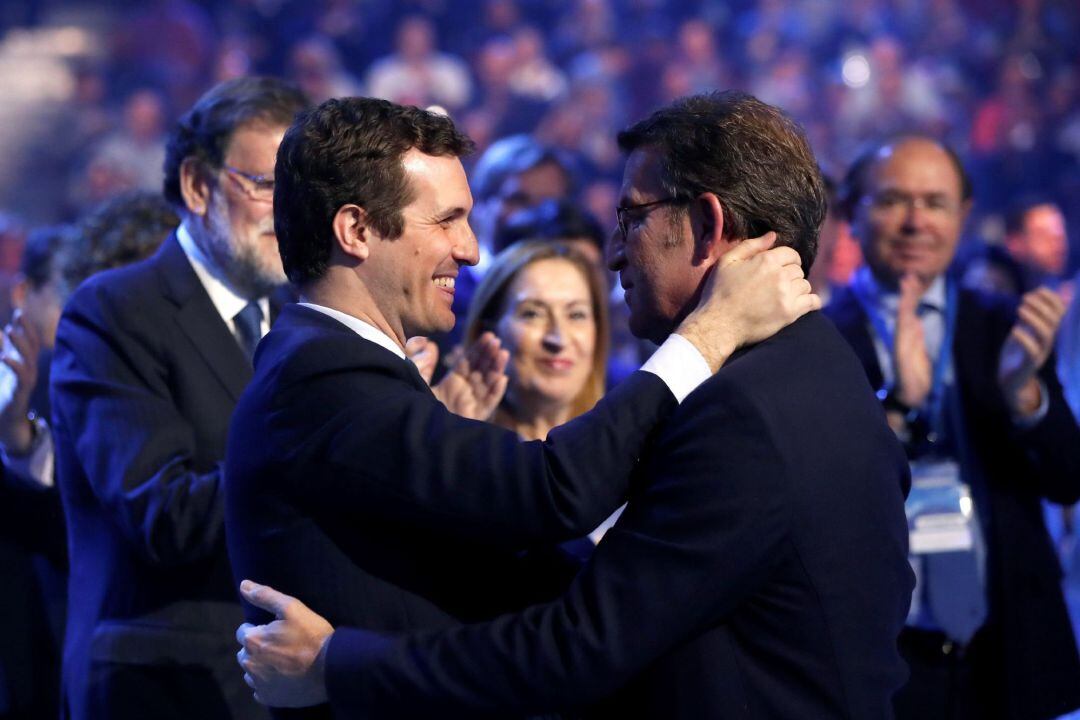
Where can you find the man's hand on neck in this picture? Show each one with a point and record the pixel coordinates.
(754, 291)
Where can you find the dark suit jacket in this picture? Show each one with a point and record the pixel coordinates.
(760, 571)
(1011, 470)
(145, 378)
(351, 486)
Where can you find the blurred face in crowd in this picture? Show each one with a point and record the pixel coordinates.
(238, 224)
(550, 330)
(529, 188)
(911, 211)
(412, 277)
(40, 306)
(655, 261)
(1042, 242)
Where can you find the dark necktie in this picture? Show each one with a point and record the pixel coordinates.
(249, 328)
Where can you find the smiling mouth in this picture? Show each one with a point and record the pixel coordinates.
(445, 283)
(559, 365)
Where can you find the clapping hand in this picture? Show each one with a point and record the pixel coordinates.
(1027, 348)
(475, 384)
(914, 374)
(16, 432)
(424, 355)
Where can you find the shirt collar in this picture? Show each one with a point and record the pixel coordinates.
(887, 299)
(362, 328)
(225, 299)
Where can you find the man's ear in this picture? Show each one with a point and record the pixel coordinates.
(707, 222)
(352, 232)
(195, 186)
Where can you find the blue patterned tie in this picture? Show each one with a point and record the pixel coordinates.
(249, 328)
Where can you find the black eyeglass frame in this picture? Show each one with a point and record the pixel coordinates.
(621, 210)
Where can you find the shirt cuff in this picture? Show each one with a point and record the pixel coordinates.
(680, 365)
(1030, 421)
(36, 466)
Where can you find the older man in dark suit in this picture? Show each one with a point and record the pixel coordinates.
(150, 360)
(759, 569)
(968, 382)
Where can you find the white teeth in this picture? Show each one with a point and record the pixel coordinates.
(445, 282)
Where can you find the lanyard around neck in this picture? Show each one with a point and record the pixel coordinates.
(935, 404)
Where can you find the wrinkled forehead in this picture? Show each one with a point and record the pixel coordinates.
(915, 165)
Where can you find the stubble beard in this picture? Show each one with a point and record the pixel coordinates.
(250, 274)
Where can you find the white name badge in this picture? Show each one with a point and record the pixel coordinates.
(939, 509)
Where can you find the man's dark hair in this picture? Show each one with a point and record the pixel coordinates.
(204, 131)
(349, 150)
(121, 231)
(40, 252)
(550, 220)
(1017, 212)
(853, 187)
(751, 155)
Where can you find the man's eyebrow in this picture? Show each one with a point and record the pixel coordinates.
(451, 213)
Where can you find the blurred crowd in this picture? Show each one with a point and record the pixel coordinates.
(543, 88)
(999, 80)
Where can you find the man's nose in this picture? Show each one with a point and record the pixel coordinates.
(466, 250)
(613, 250)
(915, 215)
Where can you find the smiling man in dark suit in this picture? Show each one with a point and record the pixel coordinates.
(150, 361)
(967, 379)
(760, 567)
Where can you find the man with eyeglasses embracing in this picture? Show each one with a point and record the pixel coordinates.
(967, 383)
(150, 360)
(760, 567)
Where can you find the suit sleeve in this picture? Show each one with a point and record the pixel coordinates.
(110, 390)
(1052, 445)
(33, 518)
(695, 543)
(401, 457)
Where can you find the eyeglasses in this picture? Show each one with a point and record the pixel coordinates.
(892, 202)
(622, 210)
(261, 187)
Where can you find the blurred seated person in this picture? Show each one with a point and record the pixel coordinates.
(838, 252)
(548, 307)
(1034, 253)
(32, 539)
(33, 551)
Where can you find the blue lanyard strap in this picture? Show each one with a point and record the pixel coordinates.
(935, 404)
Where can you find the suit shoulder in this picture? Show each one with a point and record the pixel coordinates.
(123, 289)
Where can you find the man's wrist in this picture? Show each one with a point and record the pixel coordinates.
(1025, 401)
(21, 440)
(714, 344)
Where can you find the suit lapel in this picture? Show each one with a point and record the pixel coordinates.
(851, 321)
(199, 320)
